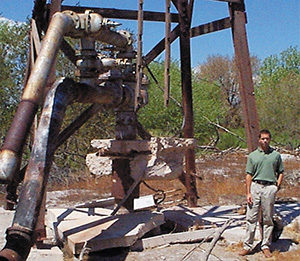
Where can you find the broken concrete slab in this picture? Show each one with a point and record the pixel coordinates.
(120, 147)
(156, 144)
(158, 158)
(100, 166)
(100, 230)
(175, 238)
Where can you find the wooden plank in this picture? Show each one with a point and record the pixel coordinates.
(122, 14)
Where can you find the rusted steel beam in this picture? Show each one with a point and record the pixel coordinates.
(68, 51)
(122, 14)
(139, 58)
(32, 96)
(194, 32)
(187, 98)
(251, 122)
(21, 236)
(167, 53)
(211, 27)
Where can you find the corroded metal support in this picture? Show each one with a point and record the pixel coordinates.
(187, 99)
(22, 235)
(238, 20)
(139, 60)
(167, 53)
(126, 122)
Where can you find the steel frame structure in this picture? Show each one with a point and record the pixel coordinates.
(21, 237)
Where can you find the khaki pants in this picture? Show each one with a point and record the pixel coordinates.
(264, 197)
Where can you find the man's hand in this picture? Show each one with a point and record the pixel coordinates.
(249, 199)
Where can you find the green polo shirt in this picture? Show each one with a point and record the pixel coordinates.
(264, 166)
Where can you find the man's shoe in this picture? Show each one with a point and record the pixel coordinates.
(267, 252)
(244, 252)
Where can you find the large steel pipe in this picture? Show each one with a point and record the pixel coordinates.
(67, 23)
(32, 95)
(20, 236)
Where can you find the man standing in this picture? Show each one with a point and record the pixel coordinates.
(264, 174)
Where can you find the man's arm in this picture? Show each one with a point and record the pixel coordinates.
(279, 180)
(248, 189)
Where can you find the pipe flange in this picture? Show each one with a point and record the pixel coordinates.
(87, 21)
(21, 231)
(9, 254)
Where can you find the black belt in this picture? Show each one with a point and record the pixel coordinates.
(265, 183)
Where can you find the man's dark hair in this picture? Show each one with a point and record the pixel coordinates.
(264, 131)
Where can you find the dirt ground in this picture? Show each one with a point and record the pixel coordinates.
(220, 181)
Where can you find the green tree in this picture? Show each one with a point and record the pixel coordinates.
(168, 121)
(278, 96)
(222, 71)
(13, 57)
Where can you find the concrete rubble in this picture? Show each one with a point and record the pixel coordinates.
(94, 228)
(159, 158)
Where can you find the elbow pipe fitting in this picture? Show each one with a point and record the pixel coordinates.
(66, 23)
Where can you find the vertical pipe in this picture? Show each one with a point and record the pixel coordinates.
(139, 62)
(167, 52)
(187, 98)
(122, 181)
(251, 122)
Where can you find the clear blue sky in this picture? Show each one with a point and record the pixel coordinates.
(272, 27)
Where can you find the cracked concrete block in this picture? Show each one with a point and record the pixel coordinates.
(102, 231)
(159, 158)
(120, 147)
(100, 166)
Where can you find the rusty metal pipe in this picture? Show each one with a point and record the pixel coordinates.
(61, 24)
(33, 92)
(21, 235)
